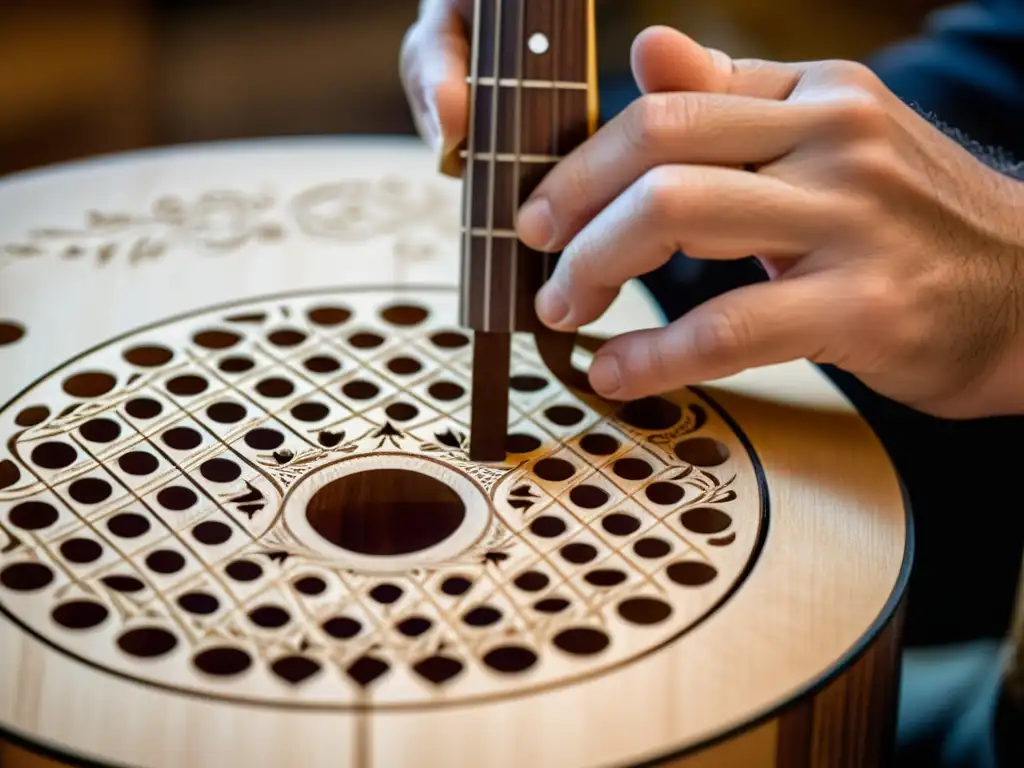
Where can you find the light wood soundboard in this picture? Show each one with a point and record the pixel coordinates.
(239, 526)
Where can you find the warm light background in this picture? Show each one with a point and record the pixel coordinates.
(80, 77)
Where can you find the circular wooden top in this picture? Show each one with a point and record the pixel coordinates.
(236, 510)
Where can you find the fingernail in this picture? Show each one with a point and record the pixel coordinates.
(535, 225)
(552, 306)
(604, 375)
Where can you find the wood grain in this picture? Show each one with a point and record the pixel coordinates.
(106, 264)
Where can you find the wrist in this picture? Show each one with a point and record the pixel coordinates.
(1003, 392)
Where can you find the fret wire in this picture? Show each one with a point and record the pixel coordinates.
(512, 82)
(518, 128)
(467, 249)
(509, 157)
(482, 231)
(489, 250)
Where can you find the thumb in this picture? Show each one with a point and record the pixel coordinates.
(434, 64)
(666, 60)
(757, 325)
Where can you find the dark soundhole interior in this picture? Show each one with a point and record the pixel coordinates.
(385, 512)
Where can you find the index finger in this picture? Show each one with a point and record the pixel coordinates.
(658, 129)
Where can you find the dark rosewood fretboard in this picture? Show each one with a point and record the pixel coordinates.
(529, 107)
(532, 101)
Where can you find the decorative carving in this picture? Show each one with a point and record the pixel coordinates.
(354, 210)
(154, 491)
(222, 221)
(216, 221)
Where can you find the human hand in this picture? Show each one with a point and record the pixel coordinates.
(893, 253)
(434, 68)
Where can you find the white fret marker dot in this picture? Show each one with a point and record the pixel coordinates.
(538, 43)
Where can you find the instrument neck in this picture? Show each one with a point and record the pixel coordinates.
(533, 99)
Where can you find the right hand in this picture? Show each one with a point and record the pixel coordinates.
(434, 68)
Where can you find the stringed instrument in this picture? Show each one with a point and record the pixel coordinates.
(240, 524)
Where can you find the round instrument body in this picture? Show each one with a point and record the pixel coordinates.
(238, 524)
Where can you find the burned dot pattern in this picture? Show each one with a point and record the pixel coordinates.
(89, 384)
(32, 416)
(143, 408)
(138, 463)
(148, 355)
(33, 515)
(10, 332)
(236, 364)
(100, 431)
(609, 512)
(54, 454)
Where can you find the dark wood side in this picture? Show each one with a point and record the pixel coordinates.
(795, 735)
(851, 722)
(12, 756)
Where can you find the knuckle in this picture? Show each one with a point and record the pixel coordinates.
(851, 73)
(853, 110)
(659, 194)
(878, 291)
(893, 320)
(654, 119)
(657, 360)
(852, 98)
(570, 189)
(720, 336)
(576, 266)
(878, 303)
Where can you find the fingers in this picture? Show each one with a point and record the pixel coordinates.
(757, 325)
(665, 59)
(434, 68)
(693, 128)
(707, 212)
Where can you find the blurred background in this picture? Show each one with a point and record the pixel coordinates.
(82, 77)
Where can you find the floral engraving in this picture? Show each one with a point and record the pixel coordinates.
(219, 222)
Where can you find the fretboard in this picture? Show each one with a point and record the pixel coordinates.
(531, 103)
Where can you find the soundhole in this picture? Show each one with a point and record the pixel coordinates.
(385, 512)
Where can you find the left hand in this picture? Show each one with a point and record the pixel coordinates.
(893, 253)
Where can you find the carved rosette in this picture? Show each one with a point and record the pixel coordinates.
(155, 501)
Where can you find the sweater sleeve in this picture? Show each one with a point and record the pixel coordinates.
(966, 67)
